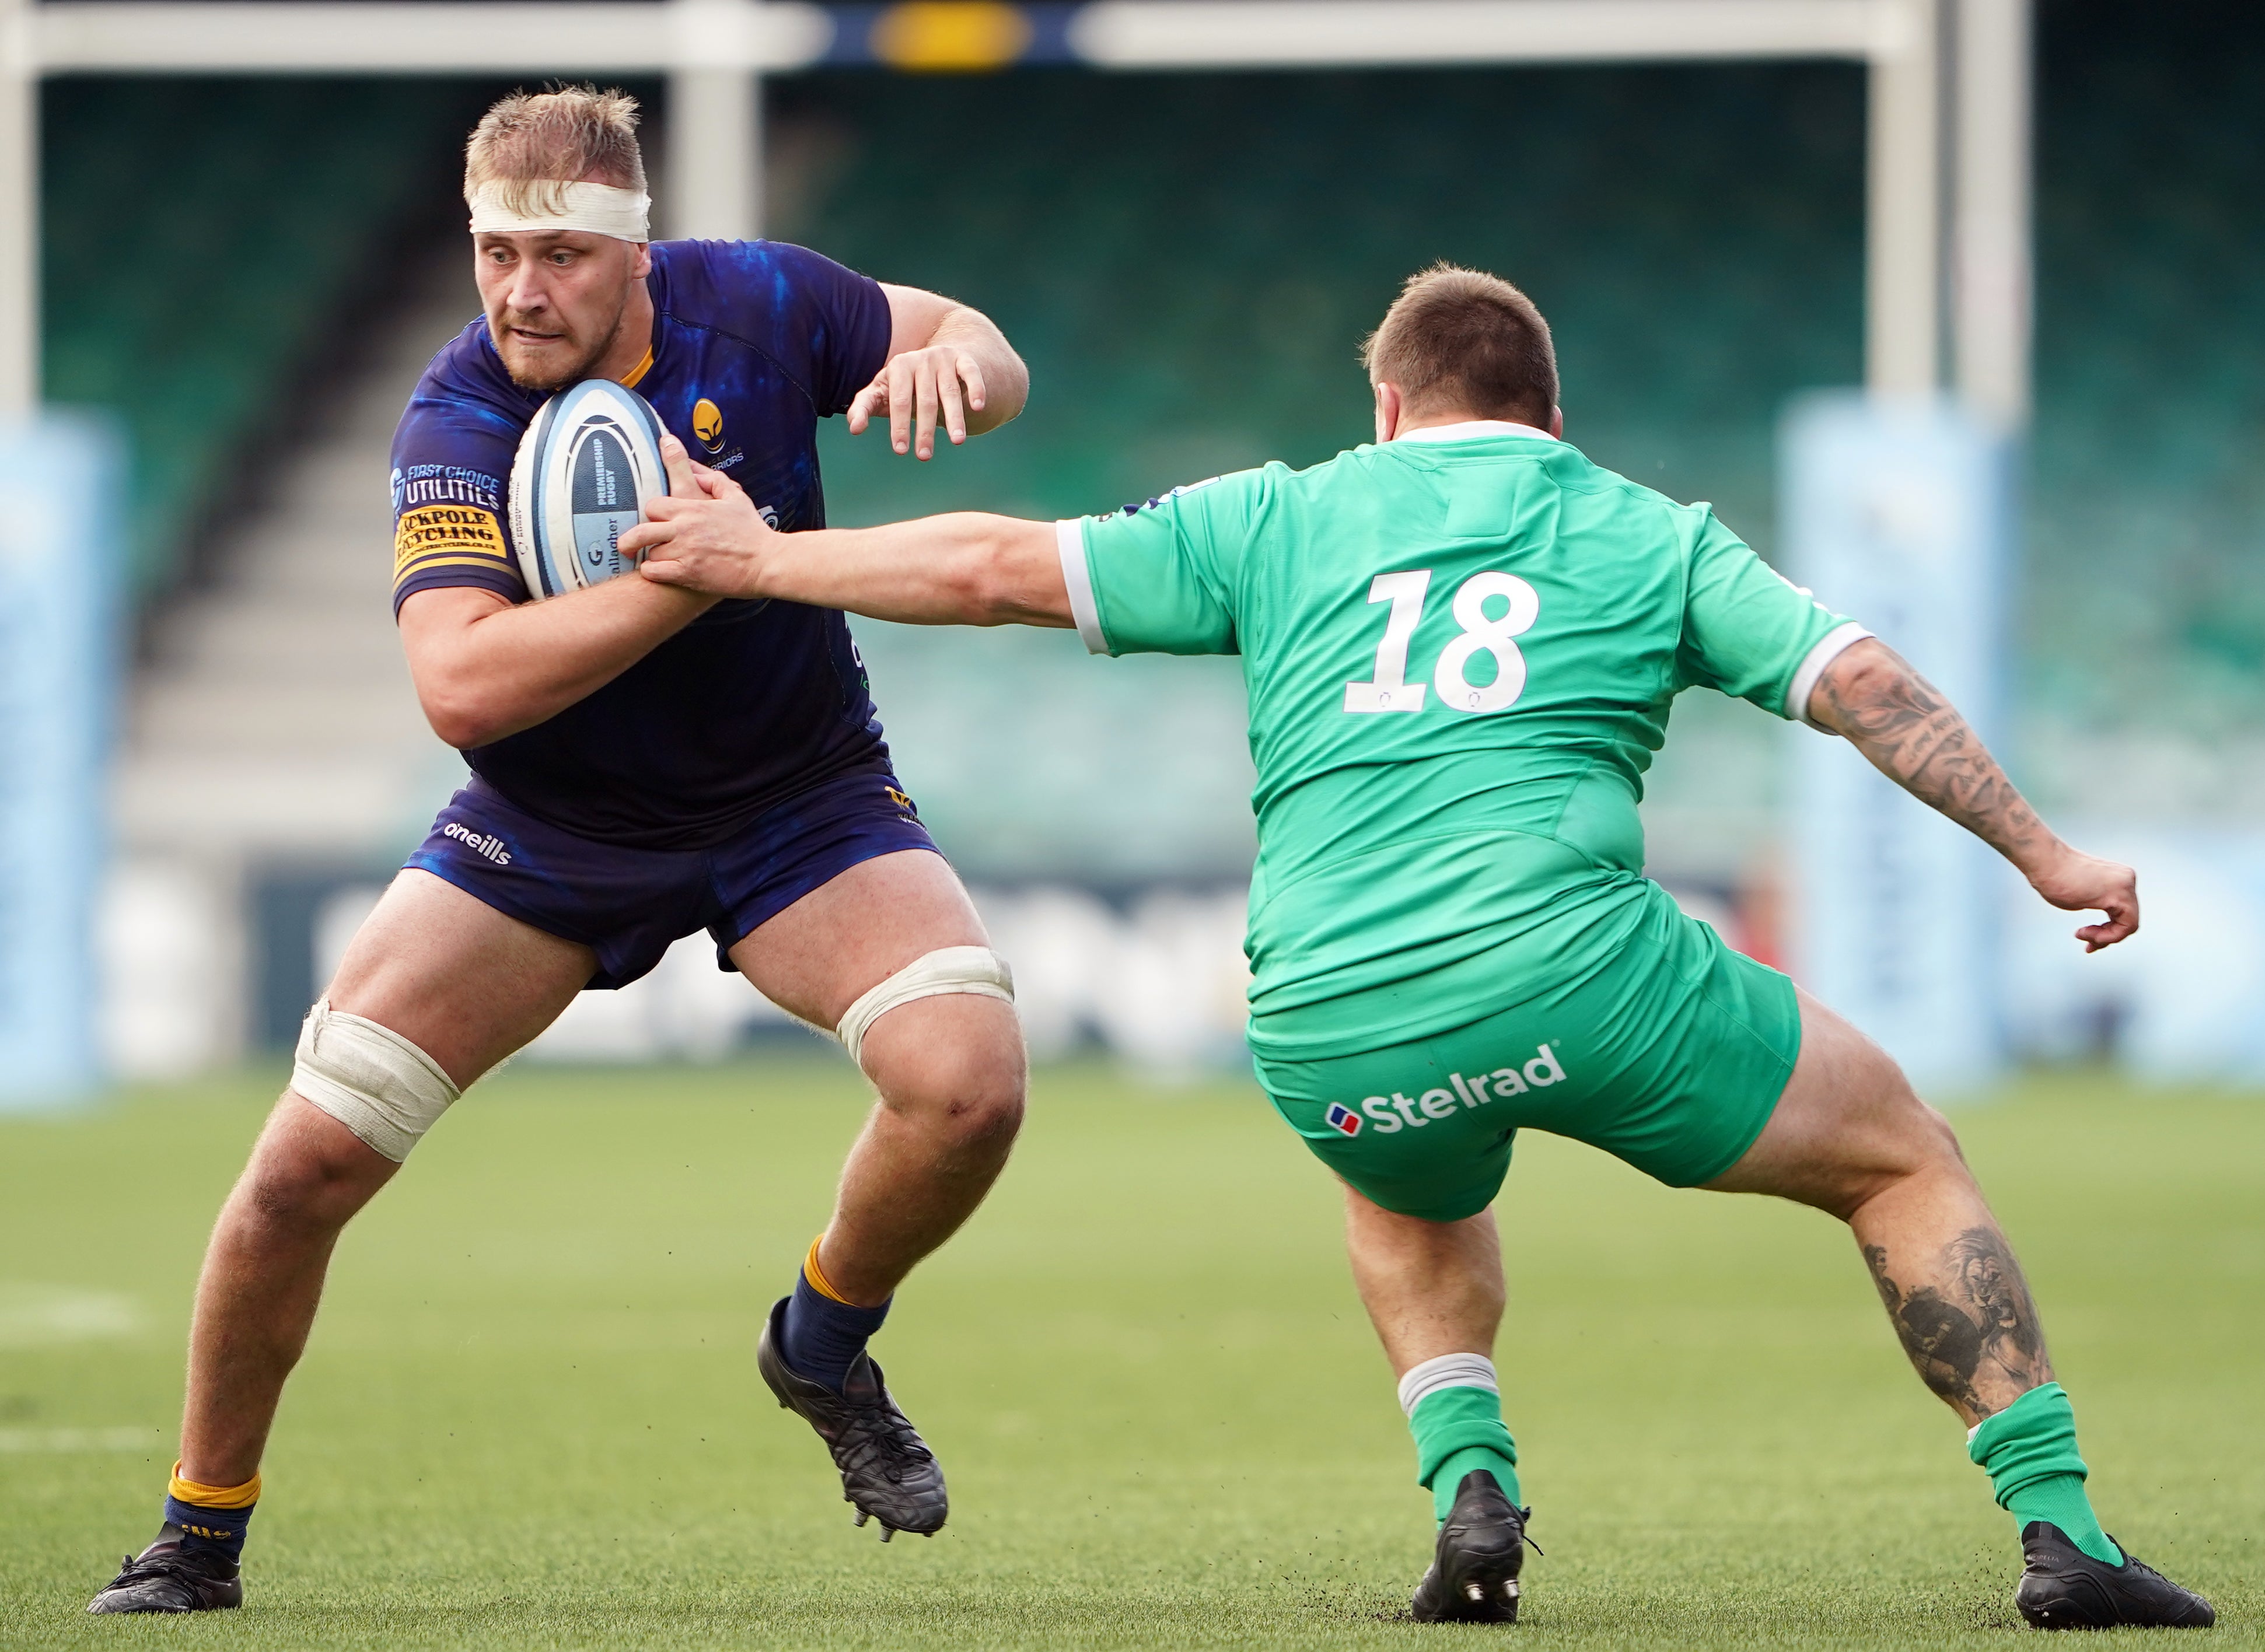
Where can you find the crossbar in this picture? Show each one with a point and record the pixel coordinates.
(701, 44)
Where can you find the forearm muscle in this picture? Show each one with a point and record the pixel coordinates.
(1913, 735)
(485, 668)
(967, 568)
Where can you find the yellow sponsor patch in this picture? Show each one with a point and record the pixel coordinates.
(464, 533)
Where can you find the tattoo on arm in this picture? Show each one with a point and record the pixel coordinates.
(1971, 1331)
(1915, 736)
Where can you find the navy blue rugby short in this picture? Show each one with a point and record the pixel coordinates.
(631, 904)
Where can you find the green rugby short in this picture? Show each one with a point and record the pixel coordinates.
(1671, 1057)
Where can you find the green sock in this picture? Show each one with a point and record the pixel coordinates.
(2028, 1450)
(1458, 1430)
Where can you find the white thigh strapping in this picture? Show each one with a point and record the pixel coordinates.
(976, 969)
(370, 1079)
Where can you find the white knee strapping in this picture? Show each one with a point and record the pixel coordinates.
(976, 970)
(1448, 1370)
(370, 1079)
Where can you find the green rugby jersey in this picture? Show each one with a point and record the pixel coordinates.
(1461, 649)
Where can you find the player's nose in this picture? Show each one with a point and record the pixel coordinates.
(526, 295)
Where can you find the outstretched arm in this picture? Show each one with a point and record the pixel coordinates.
(1913, 735)
(963, 569)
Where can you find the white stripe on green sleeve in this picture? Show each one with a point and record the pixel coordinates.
(1829, 647)
(1069, 541)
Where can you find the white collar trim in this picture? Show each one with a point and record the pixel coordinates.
(1473, 430)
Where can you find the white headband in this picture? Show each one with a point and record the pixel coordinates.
(599, 209)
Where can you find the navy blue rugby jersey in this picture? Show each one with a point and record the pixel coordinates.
(753, 343)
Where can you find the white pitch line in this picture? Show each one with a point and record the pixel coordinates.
(43, 1442)
(37, 1315)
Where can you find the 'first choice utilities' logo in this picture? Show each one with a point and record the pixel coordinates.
(1397, 1111)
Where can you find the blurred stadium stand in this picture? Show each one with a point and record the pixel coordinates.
(1187, 261)
(210, 243)
(272, 743)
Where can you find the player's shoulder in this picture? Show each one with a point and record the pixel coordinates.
(714, 281)
(466, 390)
(1243, 491)
(1573, 471)
(467, 365)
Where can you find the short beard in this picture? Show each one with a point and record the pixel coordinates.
(550, 383)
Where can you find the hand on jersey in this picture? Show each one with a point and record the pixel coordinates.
(914, 387)
(705, 537)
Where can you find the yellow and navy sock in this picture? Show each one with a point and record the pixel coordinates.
(1453, 1405)
(2028, 1450)
(822, 1333)
(212, 1518)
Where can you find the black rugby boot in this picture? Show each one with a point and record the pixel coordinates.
(1473, 1575)
(171, 1576)
(2064, 1588)
(887, 1471)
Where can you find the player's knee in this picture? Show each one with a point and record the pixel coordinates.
(1915, 1136)
(1933, 1139)
(1930, 1145)
(970, 1088)
(297, 1183)
(941, 1043)
(1918, 1142)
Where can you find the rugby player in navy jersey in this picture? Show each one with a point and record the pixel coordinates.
(646, 763)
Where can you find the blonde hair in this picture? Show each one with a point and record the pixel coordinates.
(1459, 340)
(532, 140)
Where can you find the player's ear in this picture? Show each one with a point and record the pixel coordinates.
(643, 264)
(1388, 409)
(1557, 423)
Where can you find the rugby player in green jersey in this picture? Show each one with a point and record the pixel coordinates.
(1460, 646)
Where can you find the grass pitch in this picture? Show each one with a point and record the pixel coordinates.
(529, 1416)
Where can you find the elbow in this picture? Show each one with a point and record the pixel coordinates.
(461, 717)
(1867, 673)
(1018, 389)
(1007, 392)
(1006, 404)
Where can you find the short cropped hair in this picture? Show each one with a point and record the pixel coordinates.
(567, 134)
(1459, 340)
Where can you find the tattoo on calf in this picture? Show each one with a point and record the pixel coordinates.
(1973, 1327)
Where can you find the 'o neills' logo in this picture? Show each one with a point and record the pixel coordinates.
(490, 845)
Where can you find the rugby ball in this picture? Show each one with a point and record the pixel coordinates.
(584, 470)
